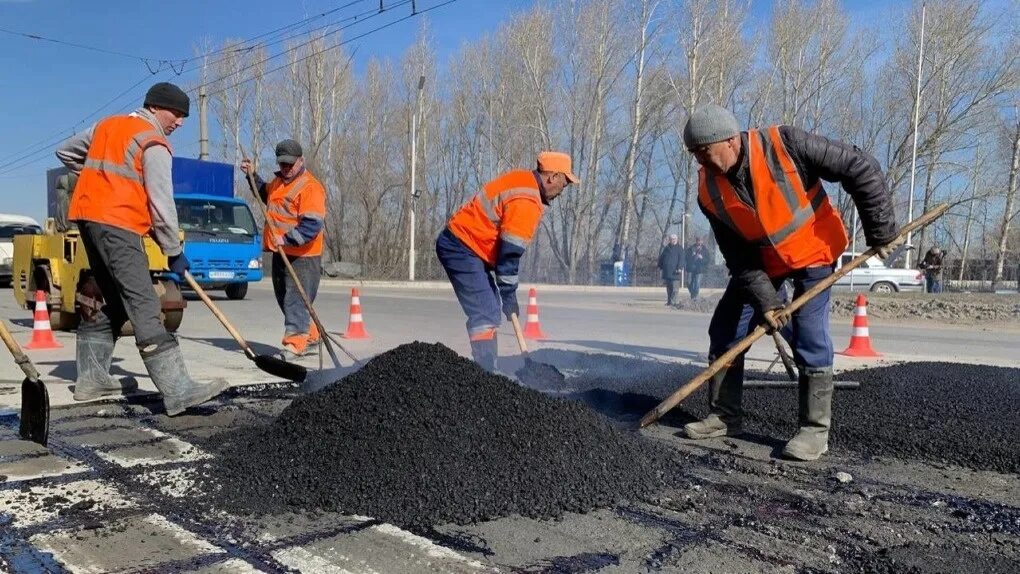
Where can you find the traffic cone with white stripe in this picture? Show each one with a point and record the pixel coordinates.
(42, 333)
(533, 329)
(860, 339)
(356, 324)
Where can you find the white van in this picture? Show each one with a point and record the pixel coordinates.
(11, 225)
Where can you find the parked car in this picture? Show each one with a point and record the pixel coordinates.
(873, 275)
(11, 225)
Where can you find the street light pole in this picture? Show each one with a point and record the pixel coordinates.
(913, 155)
(414, 173)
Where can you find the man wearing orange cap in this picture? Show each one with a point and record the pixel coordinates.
(483, 242)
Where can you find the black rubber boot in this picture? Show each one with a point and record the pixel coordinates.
(93, 357)
(726, 390)
(166, 367)
(485, 352)
(812, 440)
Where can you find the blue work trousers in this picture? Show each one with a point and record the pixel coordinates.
(808, 330)
(477, 293)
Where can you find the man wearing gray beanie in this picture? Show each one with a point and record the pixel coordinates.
(762, 193)
(123, 193)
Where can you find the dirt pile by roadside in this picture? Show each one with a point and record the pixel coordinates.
(947, 308)
(421, 436)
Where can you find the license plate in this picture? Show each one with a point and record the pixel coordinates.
(221, 274)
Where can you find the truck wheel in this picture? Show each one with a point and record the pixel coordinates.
(884, 287)
(236, 291)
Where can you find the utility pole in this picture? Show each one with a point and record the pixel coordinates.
(414, 173)
(913, 155)
(203, 125)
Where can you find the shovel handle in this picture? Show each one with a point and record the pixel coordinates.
(520, 334)
(745, 343)
(219, 315)
(19, 355)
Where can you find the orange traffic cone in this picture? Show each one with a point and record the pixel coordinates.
(533, 329)
(42, 334)
(356, 324)
(860, 340)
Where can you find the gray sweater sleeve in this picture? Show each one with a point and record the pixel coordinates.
(156, 165)
(73, 151)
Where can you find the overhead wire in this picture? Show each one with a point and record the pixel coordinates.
(26, 158)
(7, 163)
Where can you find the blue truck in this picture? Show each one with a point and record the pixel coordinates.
(221, 238)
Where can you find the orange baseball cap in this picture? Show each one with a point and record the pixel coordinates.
(556, 161)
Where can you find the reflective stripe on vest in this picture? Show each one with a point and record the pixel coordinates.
(111, 187)
(478, 224)
(284, 220)
(795, 227)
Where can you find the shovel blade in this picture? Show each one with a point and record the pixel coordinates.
(541, 375)
(35, 411)
(278, 367)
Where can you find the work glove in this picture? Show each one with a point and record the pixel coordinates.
(884, 251)
(179, 265)
(510, 306)
(776, 319)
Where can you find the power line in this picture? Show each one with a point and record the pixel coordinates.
(76, 45)
(46, 146)
(8, 163)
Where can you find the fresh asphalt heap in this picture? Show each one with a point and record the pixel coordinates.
(421, 436)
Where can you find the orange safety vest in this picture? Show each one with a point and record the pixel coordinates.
(793, 227)
(287, 203)
(111, 187)
(507, 208)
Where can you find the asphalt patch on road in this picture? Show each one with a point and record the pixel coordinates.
(421, 436)
(932, 411)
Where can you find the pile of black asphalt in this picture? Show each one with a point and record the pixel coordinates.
(421, 436)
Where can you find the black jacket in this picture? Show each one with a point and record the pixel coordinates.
(816, 158)
(671, 259)
(697, 258)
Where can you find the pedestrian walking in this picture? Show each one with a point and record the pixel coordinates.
(296, 202)
(931, 264)
(697, 260)
(671, 261)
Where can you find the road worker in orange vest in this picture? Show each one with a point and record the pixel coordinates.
(124, 191)
(762, 193)
(297, 208)
(482, 245)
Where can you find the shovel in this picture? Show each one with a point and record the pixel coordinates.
(35, 400)
(326, 339)
(533, 372)
(726, 358)
(273, 365)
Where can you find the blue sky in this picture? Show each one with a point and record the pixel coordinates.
(46, 89)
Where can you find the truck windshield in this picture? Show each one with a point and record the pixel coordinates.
(9, 231)
(214, 217)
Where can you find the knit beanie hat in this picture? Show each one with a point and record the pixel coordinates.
(168, 96)
(709, 124)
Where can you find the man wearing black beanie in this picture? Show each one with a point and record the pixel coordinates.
(124, 192)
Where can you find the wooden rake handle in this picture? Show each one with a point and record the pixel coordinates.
(745, 343)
